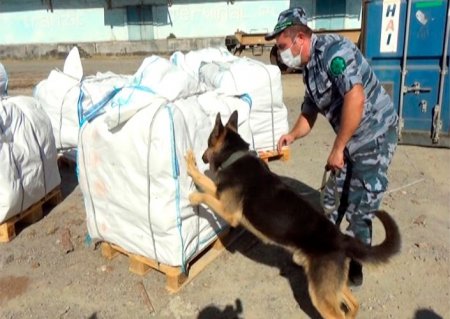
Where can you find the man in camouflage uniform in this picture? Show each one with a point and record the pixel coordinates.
(341, 85)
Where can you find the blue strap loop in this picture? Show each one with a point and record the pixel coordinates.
(176, 178)
(247, 99)
(96, 109)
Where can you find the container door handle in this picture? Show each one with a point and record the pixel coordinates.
(416, 89)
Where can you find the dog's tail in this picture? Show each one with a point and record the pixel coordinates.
(379, 253)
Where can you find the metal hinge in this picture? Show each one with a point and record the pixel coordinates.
(437, 124)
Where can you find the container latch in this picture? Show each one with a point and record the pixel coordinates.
(423, 106)
(416, 89)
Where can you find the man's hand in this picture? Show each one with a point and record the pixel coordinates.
(285, 140)
(335, 160)
(301, 128)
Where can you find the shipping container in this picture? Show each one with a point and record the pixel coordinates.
(406, 43)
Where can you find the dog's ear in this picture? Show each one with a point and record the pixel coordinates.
(218, 127)
(233, 121)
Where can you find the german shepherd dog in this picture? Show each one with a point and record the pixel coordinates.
(246, 192)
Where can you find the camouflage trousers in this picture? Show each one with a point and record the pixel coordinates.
(360, 186)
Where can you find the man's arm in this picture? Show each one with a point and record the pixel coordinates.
(302, 127)
(304, 124)
(352, 112)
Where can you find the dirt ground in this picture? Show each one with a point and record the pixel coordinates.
(38, 279)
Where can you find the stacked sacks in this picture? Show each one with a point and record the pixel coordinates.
(27, 155)
(65, 94)
(222, 72)
(131, 161)
(131, 167)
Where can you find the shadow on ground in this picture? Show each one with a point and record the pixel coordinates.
(230, 312)
(69, 182)
(69, 179)
(426, 314)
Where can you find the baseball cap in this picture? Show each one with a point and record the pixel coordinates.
(286, 19)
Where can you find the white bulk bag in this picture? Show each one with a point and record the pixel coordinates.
(212, 103)
(233, 76)
(132, 170)
(135, 185)
(246, 76)
(64, 96)
(166, 79)
(131, 160)
(191, 61)
(27, 155)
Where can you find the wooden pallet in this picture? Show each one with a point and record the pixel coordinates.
(271, 155)
(175, 278)
(31, 215)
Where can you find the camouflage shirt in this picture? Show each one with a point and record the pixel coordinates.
(335, 66)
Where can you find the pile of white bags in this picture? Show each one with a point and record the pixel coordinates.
(131, 149)
(27, 155)
(65, 94)
(222, 72)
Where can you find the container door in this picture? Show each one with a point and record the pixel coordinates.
(406, 43)
(424, 113)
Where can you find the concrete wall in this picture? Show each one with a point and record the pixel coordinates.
(87, 49)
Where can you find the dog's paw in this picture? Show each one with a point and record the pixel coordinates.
(195, 198)
(191, 163)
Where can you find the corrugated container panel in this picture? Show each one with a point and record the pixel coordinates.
(408, 49)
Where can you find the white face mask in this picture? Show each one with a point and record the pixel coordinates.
(289, 59)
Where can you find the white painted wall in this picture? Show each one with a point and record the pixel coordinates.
(64, 25)
(90, 22)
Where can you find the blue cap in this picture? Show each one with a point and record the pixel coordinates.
(287, 18)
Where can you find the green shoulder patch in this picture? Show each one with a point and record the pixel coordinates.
(337, 66)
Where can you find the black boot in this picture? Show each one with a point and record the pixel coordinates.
(355, 275)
